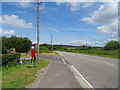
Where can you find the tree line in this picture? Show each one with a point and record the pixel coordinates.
(111, 45)
(19, 43)
(24, 45)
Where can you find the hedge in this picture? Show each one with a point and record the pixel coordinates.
(10, 59)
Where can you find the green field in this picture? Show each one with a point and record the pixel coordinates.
(21, 75)
(103, 53)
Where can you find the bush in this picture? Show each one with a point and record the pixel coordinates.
(112, 45)
(10, 59)
(43, 49)
(4, 49)
(86, 47)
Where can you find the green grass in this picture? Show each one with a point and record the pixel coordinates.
(0, 78)
(23, 54)
(21, 75)
(102, 53)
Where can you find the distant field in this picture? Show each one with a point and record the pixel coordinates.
(103, 53)
(70, 48)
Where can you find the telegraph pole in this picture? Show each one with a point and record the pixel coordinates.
(51, 42)
(38, 32)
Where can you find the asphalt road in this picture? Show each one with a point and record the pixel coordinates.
(100, 72)
(55, 75)
(53, 58)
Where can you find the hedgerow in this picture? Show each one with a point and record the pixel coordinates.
(10, 59)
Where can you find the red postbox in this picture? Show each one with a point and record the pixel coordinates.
(33, 53)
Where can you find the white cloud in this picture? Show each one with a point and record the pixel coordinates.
(7, 32)
(24, 4)
(18, 0)
(18, 36)
(88, 4)
(29, 4)
(106, 14)
(10, 32)
(109, 28)
(61, 0)
(83, 42)
(34, 42)
(59, 3)
(80, 0)
(80, 42)
(0, 31)
(75, 6)
(15, 21)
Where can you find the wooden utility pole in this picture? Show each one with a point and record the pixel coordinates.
(51, 42)
(38, 32)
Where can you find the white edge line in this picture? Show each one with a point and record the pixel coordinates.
(62, 59)
(82, 77)
(78, 73)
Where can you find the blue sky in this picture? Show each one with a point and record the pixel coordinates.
(70, 23)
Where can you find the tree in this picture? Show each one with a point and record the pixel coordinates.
(43, 49)
(48, 46)
(112, 45)
(4, 49)
(19, 43)
(4, 45)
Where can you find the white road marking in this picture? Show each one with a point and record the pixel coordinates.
(88, 84)
(93, 56)
(82, 77)
(62, 59)
(106, 63)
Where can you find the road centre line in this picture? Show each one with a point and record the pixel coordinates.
(106, 63)
(97, 60)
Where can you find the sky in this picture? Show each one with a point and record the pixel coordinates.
(70, 23)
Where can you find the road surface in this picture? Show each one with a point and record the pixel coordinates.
(56, 75)
(100, 72)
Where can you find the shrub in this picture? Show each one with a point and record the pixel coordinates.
(43, 49)
(4, 49)
(112, 45)
(10, 59)
(86, 47)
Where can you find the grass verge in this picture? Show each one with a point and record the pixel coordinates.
(49, 54)
(21, 75)
(24, 55)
